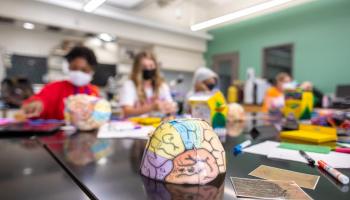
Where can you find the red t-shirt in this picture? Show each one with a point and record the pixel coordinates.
(53, 94)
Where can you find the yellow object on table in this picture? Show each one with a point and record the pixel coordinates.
(152, 121)
(232, 94)
(298, 104)
(210, 107)
(310, 133)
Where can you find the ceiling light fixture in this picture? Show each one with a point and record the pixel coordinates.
(106, 37)
(238, 14)
(92, 5)
(28, 26)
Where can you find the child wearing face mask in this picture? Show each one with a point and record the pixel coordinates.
(204, 80)
(49, 102)
(146, 90)
(274, 96)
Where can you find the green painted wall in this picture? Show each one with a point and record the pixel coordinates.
(320, 32)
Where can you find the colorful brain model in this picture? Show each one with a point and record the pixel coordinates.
(86, 112)
(184, 151)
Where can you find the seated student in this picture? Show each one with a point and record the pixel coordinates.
(204, 80)
(49, 102)
(274, 97)
(146, 90)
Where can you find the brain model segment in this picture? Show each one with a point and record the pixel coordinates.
(166, 191)
(86, 112)
(184, 151)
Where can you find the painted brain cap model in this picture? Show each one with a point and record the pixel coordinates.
(235, 112)
(86, 112)
(184, 151)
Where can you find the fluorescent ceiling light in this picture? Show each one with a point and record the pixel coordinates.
(28, 26)
(106, 37)
(126, 3)
(238, 14)
(93, 5)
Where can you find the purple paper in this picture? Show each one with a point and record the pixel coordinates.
(4, 121)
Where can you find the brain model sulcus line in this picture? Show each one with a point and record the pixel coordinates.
(86, 112)
(184, 151)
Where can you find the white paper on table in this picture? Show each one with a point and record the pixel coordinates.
(271, 150)
(263, 148)
(124, 130)
(334, 159)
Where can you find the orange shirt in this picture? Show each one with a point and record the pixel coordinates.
(274, 98)
(53, 94)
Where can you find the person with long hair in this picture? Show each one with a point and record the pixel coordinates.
(146, 90)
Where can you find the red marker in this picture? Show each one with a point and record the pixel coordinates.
(342, 150)
(335, 173)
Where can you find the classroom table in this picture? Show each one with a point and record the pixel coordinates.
(27, 171)
(110, 168)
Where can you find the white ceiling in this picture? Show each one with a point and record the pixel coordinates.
(171, 15)
(182, 13)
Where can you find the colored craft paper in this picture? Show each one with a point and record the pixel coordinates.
(264, 189)
(305, 147)
(310, 133)
(271, 150)
(272, 173)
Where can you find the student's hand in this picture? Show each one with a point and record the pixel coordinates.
(155, 106)
(167, 107)
(33, 109)
(307, 86)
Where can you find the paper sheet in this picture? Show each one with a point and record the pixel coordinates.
(271, 150)
(263, 189)
(4, 121)
(124, 130)
(334, 159)
(263, 148)
(272, 173)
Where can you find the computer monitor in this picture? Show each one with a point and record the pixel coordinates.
(31, 67)
(102, 73)
(343, 91)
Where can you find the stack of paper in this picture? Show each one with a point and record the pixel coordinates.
(267, 189)
(4, 121)
(273, 173)
(124, 129)
(310, 133)
(271, 150)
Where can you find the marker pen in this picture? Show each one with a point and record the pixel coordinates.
(335, 173)
(238, 148)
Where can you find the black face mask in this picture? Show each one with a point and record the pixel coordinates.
(210, 86)
(148, 74)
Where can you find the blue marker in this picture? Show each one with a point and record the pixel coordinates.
(238, 148)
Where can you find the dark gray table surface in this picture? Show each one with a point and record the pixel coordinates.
(27, 171)
(109, 168)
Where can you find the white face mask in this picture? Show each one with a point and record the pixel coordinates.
(79, 78)
(290, 85)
